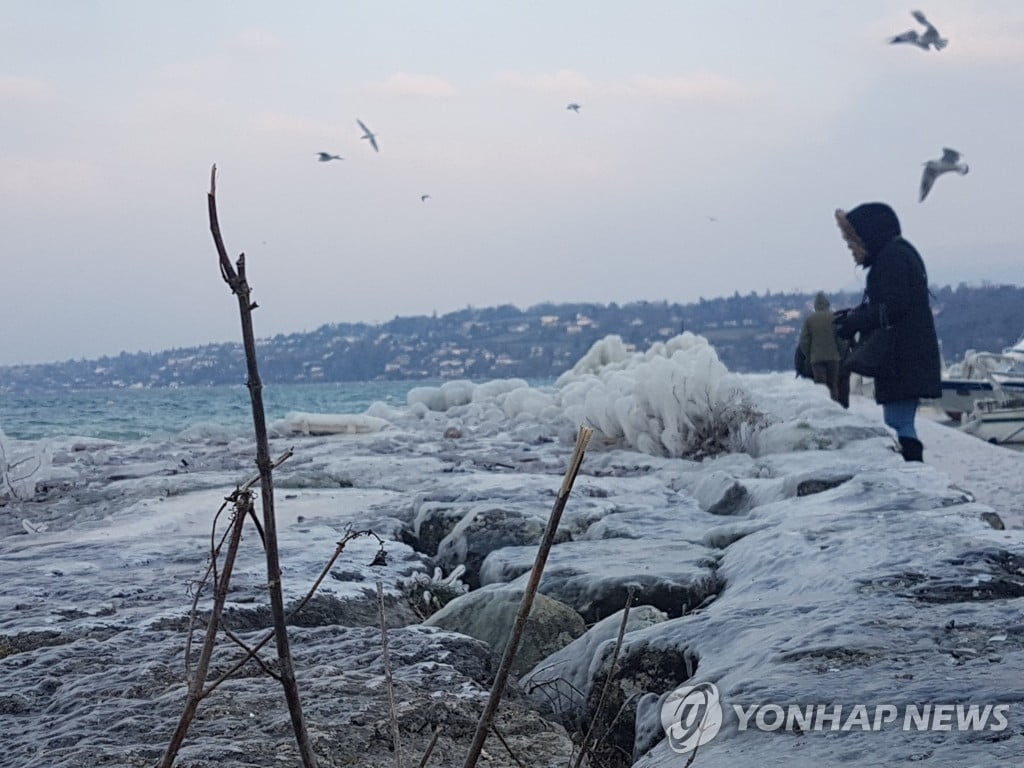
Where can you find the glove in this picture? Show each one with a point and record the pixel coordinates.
(844, 325)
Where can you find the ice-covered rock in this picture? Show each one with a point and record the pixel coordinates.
(560, 684)
(595, 577)
(485, 528)
(299, 422)
(489, 613)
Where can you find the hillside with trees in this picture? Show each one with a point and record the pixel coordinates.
(750, 333)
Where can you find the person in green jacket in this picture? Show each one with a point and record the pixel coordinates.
(818, 342)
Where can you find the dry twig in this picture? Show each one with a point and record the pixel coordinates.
(235, 277)
(392, 715)
(512, 647)
(586, 746)
(430, 747)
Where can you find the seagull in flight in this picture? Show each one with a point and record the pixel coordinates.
(930, 36)
(574, 107)
(326, 157)
(368, 134)
(950, 161)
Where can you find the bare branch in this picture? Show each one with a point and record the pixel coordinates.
(586, 746)
(243, 499)
(251, 654)
(512, 647)
(516, 760)
(195, 685)
(430, 747)
(392, 715)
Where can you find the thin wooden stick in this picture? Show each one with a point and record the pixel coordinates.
(516, 760)
(430, 747)
(195, 684)
(508, 657)
(236, 280)
(252, 651)
(211, 568)
(392, 715)
(585, 746)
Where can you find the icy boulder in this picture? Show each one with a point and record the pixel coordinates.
(560, 684)
(489, 613)
(298, 422)
(595, 577)
(485, 528)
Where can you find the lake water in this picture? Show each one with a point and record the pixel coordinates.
(134, 414)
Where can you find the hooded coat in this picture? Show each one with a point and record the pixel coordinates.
(896, 279)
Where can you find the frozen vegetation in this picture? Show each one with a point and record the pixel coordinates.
(774, 545)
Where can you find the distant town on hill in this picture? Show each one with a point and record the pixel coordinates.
(750, 333)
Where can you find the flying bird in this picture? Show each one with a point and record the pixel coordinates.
(326, 157)
(950, 161)
(930, 36)
(423, 198)
(368, 134)
(574, 107)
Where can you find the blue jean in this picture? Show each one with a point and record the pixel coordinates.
(900, 416)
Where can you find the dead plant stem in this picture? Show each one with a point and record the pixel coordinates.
(512, 647)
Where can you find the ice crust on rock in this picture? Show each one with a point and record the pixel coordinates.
(489, 614)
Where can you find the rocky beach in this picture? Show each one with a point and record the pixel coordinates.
(771, 545)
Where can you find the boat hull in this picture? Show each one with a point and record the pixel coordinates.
(998, 423)
(959, 396)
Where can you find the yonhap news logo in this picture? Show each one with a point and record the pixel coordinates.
(692, 715)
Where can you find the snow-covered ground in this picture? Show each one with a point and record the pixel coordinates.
(994, 474)
(784, 553)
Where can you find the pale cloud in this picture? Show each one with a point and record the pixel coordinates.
(566, 82)
(202, 72)
(23, 90)
(694, 88)
(407, 84)
(256, 41)
(49, 181)
(281, 124)
(989, 39)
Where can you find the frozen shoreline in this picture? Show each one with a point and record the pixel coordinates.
(814, 566)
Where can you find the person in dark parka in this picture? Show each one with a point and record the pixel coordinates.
(897, 280)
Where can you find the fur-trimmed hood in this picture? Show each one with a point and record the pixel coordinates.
(876, 225)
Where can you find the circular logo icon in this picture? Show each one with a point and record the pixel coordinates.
(691, 716)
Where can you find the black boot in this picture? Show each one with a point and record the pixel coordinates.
(913, 450)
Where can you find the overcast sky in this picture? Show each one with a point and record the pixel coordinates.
(762, 116)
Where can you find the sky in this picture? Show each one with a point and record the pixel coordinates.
(714, 140)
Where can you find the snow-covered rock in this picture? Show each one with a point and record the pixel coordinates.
(489, 614)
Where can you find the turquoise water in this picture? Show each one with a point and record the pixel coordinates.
(135, 414)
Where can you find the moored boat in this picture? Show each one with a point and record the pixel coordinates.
(997, 420)
(979, 376)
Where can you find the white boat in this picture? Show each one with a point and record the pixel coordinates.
(997, 420)
(978, 376)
